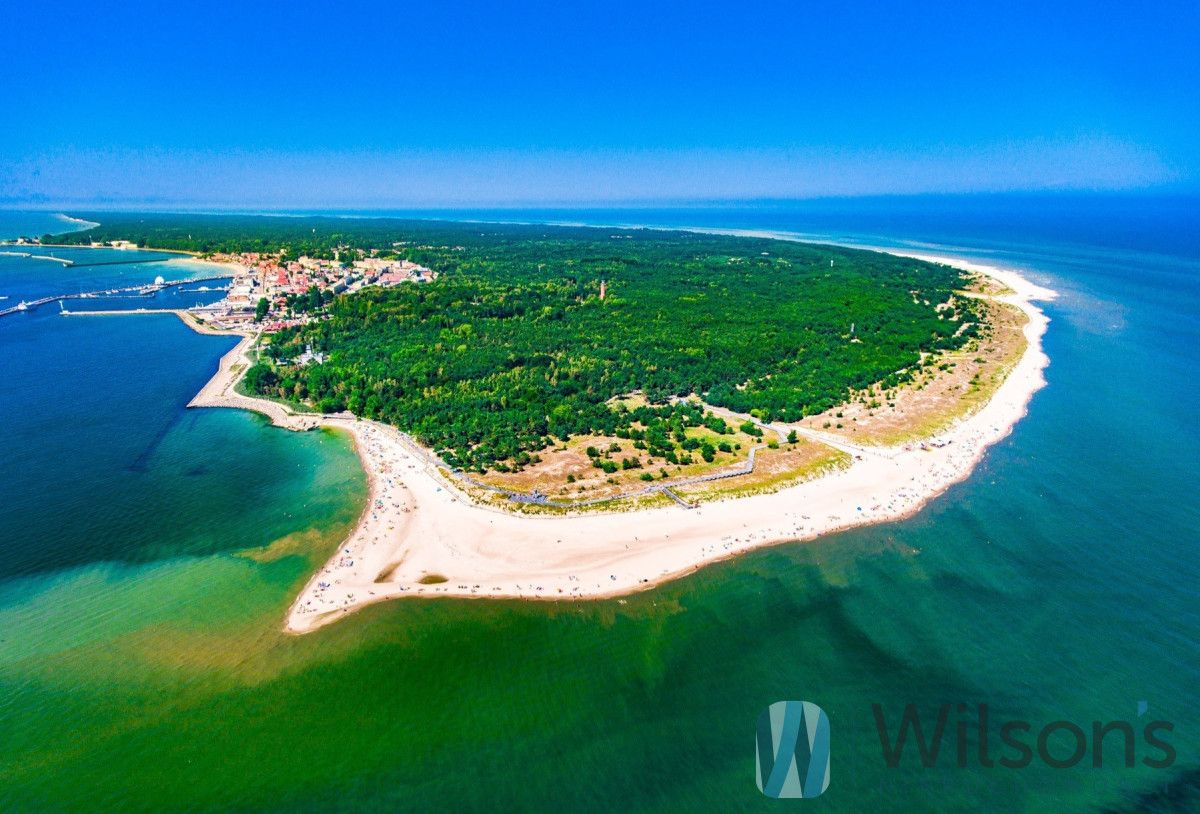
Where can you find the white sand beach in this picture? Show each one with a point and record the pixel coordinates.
(418, 526)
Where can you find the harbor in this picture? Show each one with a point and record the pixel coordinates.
(144, 290)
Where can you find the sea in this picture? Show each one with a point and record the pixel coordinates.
(148, 555)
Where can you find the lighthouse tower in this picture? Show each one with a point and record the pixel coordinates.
(603, 289)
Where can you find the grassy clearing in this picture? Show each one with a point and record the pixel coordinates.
(566, 471)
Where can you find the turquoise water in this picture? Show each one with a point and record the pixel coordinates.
(147, 555)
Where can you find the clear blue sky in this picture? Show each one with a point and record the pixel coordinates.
(344, 104)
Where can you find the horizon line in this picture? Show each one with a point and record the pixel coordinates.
(168, 207)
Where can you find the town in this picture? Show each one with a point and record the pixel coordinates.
(266, 290)
(278, 293)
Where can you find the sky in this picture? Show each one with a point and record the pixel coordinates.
(356, 105)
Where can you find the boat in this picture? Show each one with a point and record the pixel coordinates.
(22, 306)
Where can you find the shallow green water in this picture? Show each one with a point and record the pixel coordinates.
(148, 556)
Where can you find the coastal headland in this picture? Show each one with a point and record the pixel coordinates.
(422, 535)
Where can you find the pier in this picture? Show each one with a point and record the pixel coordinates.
(67, 262)
(7, 250)
(133, 290)
(33, 256)
(118, 262)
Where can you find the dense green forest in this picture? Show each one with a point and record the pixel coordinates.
(512, 347)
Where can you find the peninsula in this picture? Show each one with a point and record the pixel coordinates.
(565, 413)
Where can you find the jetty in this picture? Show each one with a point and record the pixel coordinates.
(68, 262)
(143, 290)
(32, 256)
